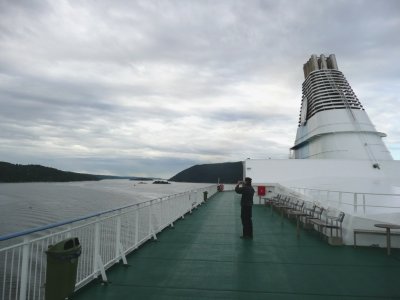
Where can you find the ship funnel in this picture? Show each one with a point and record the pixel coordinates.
(333, 123)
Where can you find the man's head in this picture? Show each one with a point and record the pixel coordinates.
(247, 181)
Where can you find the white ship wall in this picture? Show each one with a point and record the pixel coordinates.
(337, 174)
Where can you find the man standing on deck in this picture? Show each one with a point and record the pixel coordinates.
(246, 203)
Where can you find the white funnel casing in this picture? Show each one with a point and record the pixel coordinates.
(333, 124)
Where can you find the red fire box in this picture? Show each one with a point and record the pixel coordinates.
(261, 190)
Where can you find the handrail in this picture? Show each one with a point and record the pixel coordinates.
(367, 203)
(347, 192)
(62, 223)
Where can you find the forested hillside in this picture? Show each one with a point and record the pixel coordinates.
(32, 173)
(229, 172)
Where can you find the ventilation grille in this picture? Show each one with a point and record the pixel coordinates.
(327, 90)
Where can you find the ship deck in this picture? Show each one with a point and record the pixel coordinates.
(202, 257)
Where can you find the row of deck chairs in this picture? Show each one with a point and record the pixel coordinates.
(311, 215)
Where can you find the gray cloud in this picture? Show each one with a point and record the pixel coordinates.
(152, 87)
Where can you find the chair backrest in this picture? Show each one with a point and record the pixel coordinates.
(340, 217)
(310, 211)
(313, 209)
(321, 210)
(294, 203)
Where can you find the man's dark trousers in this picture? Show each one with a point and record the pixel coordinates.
(246, 215)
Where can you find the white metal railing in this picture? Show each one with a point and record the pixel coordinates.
(106, 238)
(354, 202)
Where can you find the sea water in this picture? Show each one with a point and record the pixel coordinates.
(29, 205)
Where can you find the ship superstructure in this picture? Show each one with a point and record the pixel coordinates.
(339, 160)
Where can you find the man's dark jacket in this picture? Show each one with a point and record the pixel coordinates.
(247, 194)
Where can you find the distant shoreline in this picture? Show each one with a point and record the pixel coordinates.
(228, 172)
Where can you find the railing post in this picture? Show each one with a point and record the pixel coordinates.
(355, 203)
(364, 207)
(151, 203)
(162, 217)
(137, 226)
(190, 205)
(168, 210)
(96, 247)
(118, 239)
(97, 261)
(181, 206)
(24, 270)
(69, 228)
(119, 251)
(171, 210)
(151, 230)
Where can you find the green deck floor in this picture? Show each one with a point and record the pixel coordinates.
(202, 257)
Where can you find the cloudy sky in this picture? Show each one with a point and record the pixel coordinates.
(150, 88)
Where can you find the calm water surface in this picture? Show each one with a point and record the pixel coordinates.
(29, 205)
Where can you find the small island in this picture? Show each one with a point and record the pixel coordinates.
(161, 182)
(141, 178)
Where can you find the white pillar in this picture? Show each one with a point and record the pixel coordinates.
(332, 59)
(324, 66)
